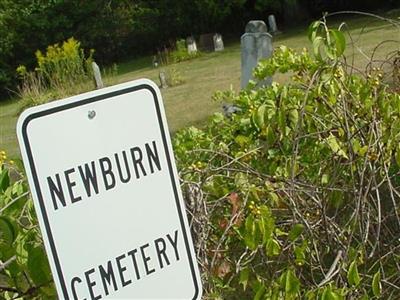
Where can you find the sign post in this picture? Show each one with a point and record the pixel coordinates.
(105, 188)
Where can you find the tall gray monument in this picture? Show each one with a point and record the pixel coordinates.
(256, 44)
(272, 25)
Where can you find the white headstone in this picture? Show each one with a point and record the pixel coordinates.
(272, 24)
(163, 80)
(97, 75)
(191, 45)
(218, 42)
(107, 196)
(256, 44)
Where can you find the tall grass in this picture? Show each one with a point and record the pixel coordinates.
(61, 71)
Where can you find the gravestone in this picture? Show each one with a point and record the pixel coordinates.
(191, 44)
(218, 42)
(155, 61)
(256, 44)
(229, 109)
(163, 80)
(97, 76)
(206, 42)
(272, 25)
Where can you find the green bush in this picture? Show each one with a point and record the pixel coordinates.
(296, 195)
(181, 53)
(24, 269)
(64, 65)
(62, 71)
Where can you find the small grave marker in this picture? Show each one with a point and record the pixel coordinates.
(191, 44)
(163, 80)
(272, 25)
(218, 42)
(97, 76)
(206, 42)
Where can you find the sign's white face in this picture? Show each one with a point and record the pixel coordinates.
(104, 182)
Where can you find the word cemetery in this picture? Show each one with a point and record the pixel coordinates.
(124, 269)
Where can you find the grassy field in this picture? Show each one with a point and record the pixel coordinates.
(191, 103)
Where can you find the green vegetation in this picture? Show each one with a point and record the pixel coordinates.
(62, 71)
(295, 196)
(125, 29)
(190, 103)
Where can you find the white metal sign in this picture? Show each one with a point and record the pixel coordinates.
(106, 191)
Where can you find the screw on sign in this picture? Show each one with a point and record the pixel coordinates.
(105, 187)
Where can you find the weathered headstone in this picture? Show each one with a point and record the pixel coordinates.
(272, 25)
(163, 80)
(229, 109)
(191, 44)
(256, 44)
(97, 76)
(206, 42)
(155, 61)
(218, 42)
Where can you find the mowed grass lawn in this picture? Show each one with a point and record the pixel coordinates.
(191, 103)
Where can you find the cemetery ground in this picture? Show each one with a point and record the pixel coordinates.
(190, 103)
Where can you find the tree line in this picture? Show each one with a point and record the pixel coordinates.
(128, 28)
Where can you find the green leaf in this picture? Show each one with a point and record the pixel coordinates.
(242, 141)
(397, 155)
(310, 295)
(333, 143)
(340, 41)
(325, 179)
(260, 292)
(328, 294)
(4, 180)
(244, 277)
(280, 232)
(376, 284)
(7, 232)
(352, 274)
(218, 117)
(259, 116)
(313, 30)
(38, 266)
(295, 232)
(249, 233)
(292, 283)
(293, 118)
(299, 252)
(273, 248)
(21, 252)
(317, 43)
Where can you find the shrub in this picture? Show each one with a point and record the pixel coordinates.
(64, 65)
(24, 269)
(181, 53)
(296, 195)
(174, 77)
(62, 71)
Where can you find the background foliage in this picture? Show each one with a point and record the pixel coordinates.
(294, 196)
(123, 29)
